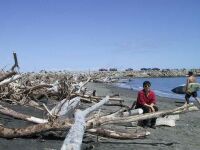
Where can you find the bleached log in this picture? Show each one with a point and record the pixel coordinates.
(121, 113)
(9, 80)
(118, 135)
(113, 119)
(81, 85)
(37, 87)
(66, 124)
(165, 122)
(98, 97)
(65, 107)
(34, 129)
(54, 87)
(168, 120)
(14, 114)
(74, 138)
(61, 109)
(187, 108)
(7, 75)
(29, 102)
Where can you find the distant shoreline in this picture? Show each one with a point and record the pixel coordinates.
(128, 74)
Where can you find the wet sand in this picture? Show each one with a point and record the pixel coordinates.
(184, 136)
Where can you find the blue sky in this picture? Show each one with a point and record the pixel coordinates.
(92, 34)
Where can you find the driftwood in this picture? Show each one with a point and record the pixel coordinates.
(66, 107)
(111, 119)
(75, 135)
(9, 80)
(59, 125)
(117, 135)
(68, 86)
(37, 87)
(34, 129)
(97, 98)
(165, 122)
(14, 114)
(7, 75)
(16, 62)
(169, 120)
(63, 108)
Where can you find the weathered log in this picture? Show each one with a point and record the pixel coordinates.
(110, 119)
(37, 87)
(8, 75)
(9, 80)
(14, 114)
(187, 108)
(34, 129)
(165, 122)
(98, 97)
(81, 84)
(66, 124)
(168, 120)
(66, 107)
(74, 138)
(117, 135)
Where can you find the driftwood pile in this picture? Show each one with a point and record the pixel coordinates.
(74, 109)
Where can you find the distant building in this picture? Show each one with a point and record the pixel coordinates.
(129, 69)
(113, 69)
(156, 69)
(145, 69)
(165, 70)
(103, 69)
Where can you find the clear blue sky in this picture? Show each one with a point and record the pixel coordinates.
(91, 34)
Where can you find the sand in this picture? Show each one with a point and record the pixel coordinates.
(184, 136)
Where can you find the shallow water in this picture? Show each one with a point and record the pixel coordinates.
(161, 86)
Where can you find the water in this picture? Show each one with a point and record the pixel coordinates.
(161, 86)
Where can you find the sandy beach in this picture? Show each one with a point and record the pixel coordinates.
(184, 136)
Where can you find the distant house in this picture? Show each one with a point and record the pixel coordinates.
(155, 69)
(129, 69)
(165, 70)
(145, 69)
(103, 69)
(113, 69)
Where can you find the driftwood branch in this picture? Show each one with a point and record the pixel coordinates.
(116, 134)
(16, 62)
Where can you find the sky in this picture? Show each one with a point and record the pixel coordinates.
(91, 34)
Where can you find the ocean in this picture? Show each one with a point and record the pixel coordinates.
(161, 86)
